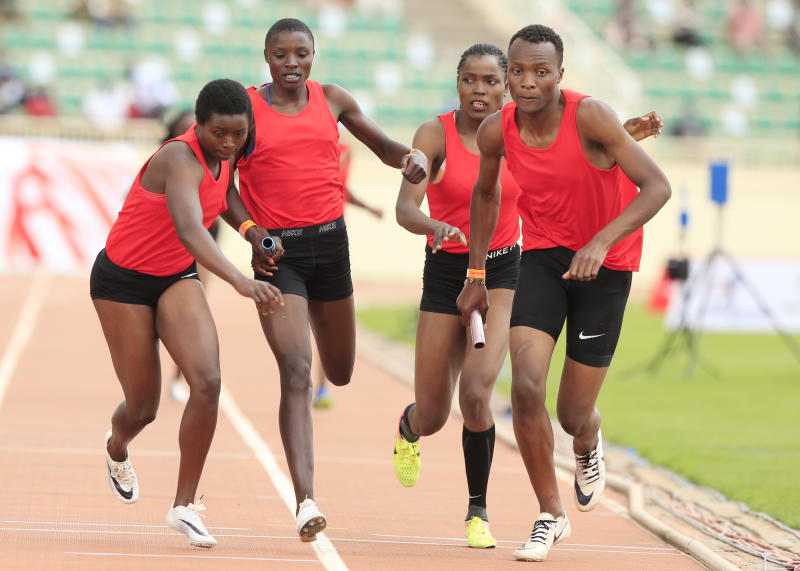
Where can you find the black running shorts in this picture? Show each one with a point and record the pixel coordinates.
(115, 283)
(593, 310)
(315, 262)
(444, 274)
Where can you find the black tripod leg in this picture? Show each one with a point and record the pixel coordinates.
(763, 307)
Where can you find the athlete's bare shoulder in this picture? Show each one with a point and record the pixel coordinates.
(339, 99)
(174, 158)
(490, 135)
(594, 118)
(178, 152)
(430, 139)
(432, 132)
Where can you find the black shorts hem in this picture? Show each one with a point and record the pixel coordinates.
(598, 361)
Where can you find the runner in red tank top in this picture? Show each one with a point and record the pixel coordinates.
(144, 287)
(449, 141)
(568, 154)
(289, 176)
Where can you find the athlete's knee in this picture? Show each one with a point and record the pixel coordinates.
(340, 376)
(528, 394)
(574, 422)
(295, 374)
(571, 424)
(142, 414)
(428, 421)
(206, 386)
(474, 402)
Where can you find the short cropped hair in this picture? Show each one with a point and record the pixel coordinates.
(222, 96)
(538, 34)
(288, 25)
(483, 50)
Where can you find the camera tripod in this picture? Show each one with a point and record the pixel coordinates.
(684, 334)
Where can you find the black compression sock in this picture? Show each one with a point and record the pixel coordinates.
(405, 426)
(478, 452)
(476, 511)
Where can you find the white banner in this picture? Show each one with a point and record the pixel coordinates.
(58, 199)
(737, 295)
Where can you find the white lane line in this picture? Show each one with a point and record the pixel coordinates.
(459, 543)
(94, 524)
(119, 532)
(516, 542)
(322, 546)
(50, 450)
(22, 330)
(167, 556)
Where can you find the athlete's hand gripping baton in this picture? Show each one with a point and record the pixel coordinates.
(476, 326)
(270, 249)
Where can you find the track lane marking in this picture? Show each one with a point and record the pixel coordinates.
(23, 330)
(168, 556)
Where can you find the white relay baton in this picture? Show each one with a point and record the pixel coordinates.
(476, 326)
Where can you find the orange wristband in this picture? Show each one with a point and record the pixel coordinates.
(476, 274)
(245, 226)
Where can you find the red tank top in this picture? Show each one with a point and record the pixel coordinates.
(449, 199)
(565, 199)
(344, 168)
(290, 178)
(143, 237)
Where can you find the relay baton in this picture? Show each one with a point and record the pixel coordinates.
(476, 326)
(270, 249)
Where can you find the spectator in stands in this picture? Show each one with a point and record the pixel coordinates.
(153, 89)
(794, 29)
(105, 13)
(12, 91)
(745, 27)
(624, 31)
(689, 123)
(37, 102)
(107, 105)
(8, 10)
(685, 32)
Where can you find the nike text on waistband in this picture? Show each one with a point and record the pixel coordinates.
(307, 231)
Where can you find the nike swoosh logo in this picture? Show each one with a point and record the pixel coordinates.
(472, 497)
(583, 499)
(582, 336)
(197, 531)
(123, 493)
(556, 538)
(189, 275)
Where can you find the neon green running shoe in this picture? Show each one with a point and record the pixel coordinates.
(478, 534)
(406, 460)
(323, 399)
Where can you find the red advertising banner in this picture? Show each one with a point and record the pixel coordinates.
(58, 199)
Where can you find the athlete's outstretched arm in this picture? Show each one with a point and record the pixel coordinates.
(430, 139)
(597, 122)
(345, 108)
(182, 179)
(483, 213)
(649, 124)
